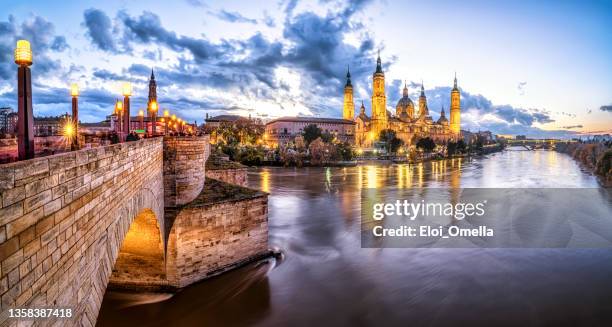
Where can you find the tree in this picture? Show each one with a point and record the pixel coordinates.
(300, 145)
(326, 137)
(451, 148)
(391, 141)
(461, 146)
(319, 152)
(250, 155)
(311, 133)
(344, 151)
(426, 144)
(241, 131)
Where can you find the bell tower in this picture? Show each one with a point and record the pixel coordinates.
(455, 109)
(348, 112)
(152, 88)
(379, 99)
(423, 110)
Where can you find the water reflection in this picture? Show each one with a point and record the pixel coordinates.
(328, 279)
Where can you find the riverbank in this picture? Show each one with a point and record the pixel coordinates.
(596, 157)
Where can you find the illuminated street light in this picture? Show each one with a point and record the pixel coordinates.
(119, 112)
(23, 53)
(25, 122)
(74, 92)
(153, 114)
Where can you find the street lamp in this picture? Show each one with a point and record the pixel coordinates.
(141, 119)
(153, 114)
(25, 122)
(127, 92)
(119, 112)
(165, 120)
(74, 92)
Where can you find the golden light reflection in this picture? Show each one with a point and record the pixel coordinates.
(372, 178)
(400, 176)
(420, 174)
(265, 181)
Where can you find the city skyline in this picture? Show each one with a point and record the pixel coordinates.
(522, 72)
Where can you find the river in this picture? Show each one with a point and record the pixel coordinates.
(325, 277)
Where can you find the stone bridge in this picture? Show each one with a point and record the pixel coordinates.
(130, 215)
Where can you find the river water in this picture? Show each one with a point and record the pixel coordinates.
(325, 277)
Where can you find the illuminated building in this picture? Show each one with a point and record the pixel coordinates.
(407, 124)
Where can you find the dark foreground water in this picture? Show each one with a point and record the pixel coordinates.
(325, 278)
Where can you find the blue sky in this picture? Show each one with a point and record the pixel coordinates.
(524, 67)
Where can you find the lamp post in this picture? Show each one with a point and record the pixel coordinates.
(25, 122)
(153, 114)
(74, 92)
(127, 92)
(119, 112)
(141, 120)
(165, 121)
(173, 124)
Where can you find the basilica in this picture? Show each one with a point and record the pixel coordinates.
(407, 124)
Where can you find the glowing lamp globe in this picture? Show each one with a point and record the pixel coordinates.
(23, 53)
(68, 130)
(173, 117)
(153, 106)
(166, 113)
(119, 106)
(126, 89)
(74, 90)
(141, 113)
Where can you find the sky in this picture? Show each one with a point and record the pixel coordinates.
(524, 67)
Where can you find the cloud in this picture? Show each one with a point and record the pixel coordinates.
(233, 17)
(44, 41)
(521, 87)
(572, 126)
(197, 3)
(99, 29)
(147, 28)
(606, 108)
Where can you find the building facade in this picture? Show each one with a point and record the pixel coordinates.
(407, 124)
(5, 126)
(283, 130)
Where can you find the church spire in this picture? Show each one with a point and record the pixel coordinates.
(405, 89)
(379, 64)
(362, 109)
(455, 85)
(422, 89)
(348, 76)
(152, 88)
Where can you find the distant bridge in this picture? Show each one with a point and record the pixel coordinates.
(532, 144)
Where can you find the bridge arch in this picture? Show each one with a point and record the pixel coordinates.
(140, 262)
